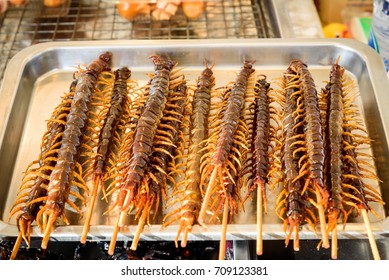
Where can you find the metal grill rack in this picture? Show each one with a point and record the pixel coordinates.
(33, 23)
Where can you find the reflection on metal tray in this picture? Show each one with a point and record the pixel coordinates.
(37, 77)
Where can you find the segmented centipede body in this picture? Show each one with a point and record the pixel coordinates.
(33, 190)
(290, 199)
(163, 153)
(58, 188)
(349, 171)
(108, 138)
(189, 194)
(313, 168)
(221, 159)
(143, 140)
(334, 145)
(260, 152)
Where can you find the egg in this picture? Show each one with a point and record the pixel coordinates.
(130, 10)
(193, 9)
(53, 3)
(18, 2)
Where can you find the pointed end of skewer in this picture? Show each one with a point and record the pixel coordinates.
(259, 221)
(372, 241)
(16, 247)
(334, 243)
(223, 238)
(115, 233)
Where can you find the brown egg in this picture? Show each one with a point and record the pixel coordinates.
(193, 9)
(53, 3)
(18, 2)
(130, 10)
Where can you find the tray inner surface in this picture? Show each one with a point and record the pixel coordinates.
(45, 95)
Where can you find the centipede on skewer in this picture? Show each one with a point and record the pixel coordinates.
(311, 141)
(108, 138)
(67, 171)
(187, 191)
(346, 171)
(293, 204)
(33, 188)
(263, 149)
(130, 184)
(154, 189)
(224, 155)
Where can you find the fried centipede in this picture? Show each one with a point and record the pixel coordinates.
(35, 179)
(333, 142)
(143, 139)
(155, 186)
(292, 204)
(65, 171)
(312, 169)
(219, 163)
(188, 190)
(346, 171)
(260, 152)
(109, 139)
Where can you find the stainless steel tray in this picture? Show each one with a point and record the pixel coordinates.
(37, 76)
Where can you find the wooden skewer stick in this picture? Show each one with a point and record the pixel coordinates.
(373, 244)
(322, 219)
(212, 182)
(115, 233)
(223, 239)
(259, 221)
(89, 213)
(334, 244)
(296, 241)
(16, 246)
(139, 229)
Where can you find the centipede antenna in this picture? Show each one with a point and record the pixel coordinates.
(372, 241)
(48, 229)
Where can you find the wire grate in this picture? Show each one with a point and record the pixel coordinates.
(77, 20)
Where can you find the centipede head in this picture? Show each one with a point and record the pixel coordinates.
(106, 57)
(294, 221)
